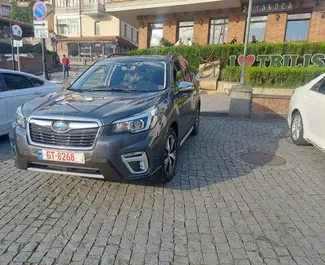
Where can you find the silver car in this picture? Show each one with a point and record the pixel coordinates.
(16, 88)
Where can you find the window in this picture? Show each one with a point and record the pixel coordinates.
(137, 40)
(178, 73)
(37, 82)
(97, 28)
(132, 34)
(218, 31)
(319, 86)
(125, 30)
(321, 89)
(67, 3)
(14, 82)
(257, 28)
(68, 26)
(155, 34)
(297, 27)
(185, 30)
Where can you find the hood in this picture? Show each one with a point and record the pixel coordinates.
(106, 106)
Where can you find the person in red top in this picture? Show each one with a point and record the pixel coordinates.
(65, 64)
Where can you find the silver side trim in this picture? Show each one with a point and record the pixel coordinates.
(186, 136)
(136, 157)
(94, 176)
(72, 125)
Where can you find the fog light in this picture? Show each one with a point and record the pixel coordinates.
(136, 162)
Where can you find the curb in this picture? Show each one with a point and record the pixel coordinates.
(214, 114)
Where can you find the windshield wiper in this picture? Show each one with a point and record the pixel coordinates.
(106, 88)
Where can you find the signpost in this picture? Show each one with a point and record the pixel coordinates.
(41, 30)
(17, 34)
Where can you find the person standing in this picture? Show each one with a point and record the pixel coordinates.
(189, 42)
(234, 40)
(179, 42)
(254, 40)
(65, 64)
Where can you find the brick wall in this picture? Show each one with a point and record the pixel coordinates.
(317, 24)
(143, 35)
(276, 29)
(271, 105)
(170, 30)
(236, 26)
(201, 32)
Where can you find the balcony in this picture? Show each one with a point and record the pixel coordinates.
(130, 10)
(93, 9)
(66, 10)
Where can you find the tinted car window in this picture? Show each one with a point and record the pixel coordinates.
(140, 76)
(37, 82)
(321, 88)
(14, 81)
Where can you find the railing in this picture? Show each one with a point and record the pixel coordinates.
(67, 10)
(93, 8)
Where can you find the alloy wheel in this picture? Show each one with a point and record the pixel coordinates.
(296, 127)
(170, 155)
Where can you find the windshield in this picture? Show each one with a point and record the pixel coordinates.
(136, 76)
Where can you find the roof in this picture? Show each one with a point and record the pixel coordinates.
(97, 39)
(13, 21)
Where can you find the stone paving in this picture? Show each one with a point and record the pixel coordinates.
(217, 209)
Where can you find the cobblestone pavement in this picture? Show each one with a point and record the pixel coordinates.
(217, 209)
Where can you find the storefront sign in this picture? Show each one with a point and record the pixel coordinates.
(277, 60)
(280, 6)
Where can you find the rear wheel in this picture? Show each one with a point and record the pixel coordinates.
(297, 130)
(169, 158)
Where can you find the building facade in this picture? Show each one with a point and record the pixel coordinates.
(219, 21)
(89, 31)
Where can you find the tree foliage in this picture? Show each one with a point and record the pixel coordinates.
(22, 13)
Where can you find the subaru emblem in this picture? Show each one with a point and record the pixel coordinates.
(60, 126)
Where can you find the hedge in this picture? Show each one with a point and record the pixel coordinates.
(195, 54)
(273, 77)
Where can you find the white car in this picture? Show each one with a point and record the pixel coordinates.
(307, 107)
(16, 88)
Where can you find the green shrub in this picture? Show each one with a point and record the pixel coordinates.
(273, 77)
(197, 54)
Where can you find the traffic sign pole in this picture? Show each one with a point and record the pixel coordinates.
(45, 72)
(18, 59)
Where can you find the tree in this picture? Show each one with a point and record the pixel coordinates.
(22, 13)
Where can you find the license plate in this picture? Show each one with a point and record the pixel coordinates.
(61, 156)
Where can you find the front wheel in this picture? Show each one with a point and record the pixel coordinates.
(196, 127)
(169, 158)
(297, 130)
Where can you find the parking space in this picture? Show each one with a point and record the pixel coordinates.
(217, 210)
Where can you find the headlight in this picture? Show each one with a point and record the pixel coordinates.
(136, 123)
(20, 119)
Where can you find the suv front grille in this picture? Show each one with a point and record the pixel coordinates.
(81, 138)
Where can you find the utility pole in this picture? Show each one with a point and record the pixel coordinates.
(248, 23)
(12, 45)
(241, 95)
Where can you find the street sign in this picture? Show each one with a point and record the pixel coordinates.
(17, 32)
(41, 29)
(39, 10)
(18, 43)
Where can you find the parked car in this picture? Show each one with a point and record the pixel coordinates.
(16, 88)
(123, 118)
(307, 106)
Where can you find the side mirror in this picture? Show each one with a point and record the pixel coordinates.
(185, 86)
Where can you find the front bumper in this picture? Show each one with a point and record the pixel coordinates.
(108, 160)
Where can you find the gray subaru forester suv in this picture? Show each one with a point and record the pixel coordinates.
(124, 118)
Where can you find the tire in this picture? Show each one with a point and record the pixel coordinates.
(196, 127)
(297, 130)
(169, 160)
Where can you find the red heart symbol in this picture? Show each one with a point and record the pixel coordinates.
(250, 60)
